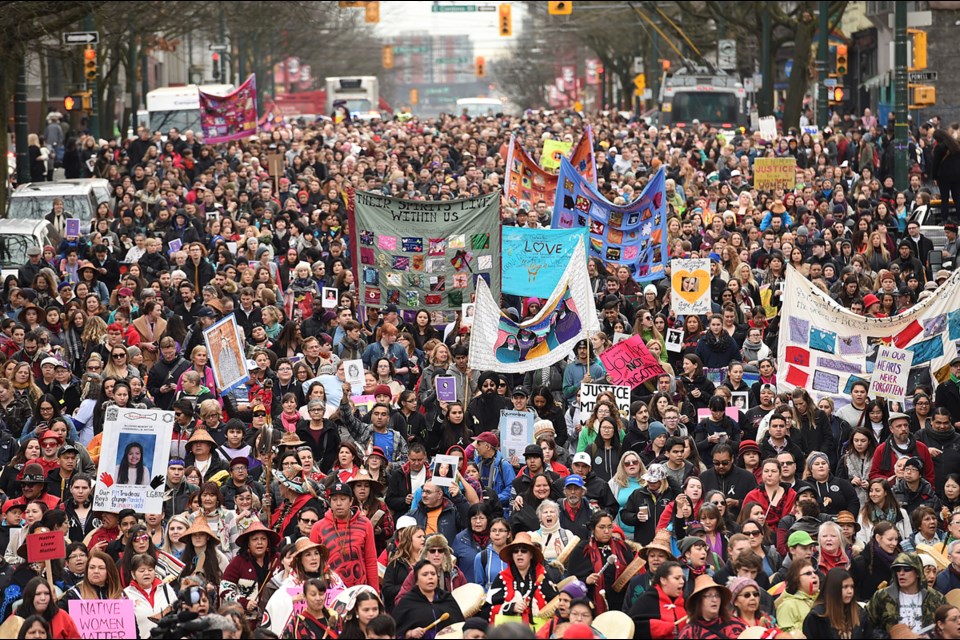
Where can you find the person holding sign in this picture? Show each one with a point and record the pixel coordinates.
(38, 600)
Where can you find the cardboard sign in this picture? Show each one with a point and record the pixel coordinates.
(364, 403)
(516, 432)
(768, 128)
(774, 173)
(891, 374)
(73, 227)
(588, 398)
(630, 363)
(45, 546)
(467, 312)
(104, 618)
(446, 387)
(690, 287)
(444, 470)
(353, 374)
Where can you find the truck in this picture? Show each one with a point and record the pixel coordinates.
(704, 94)
(179, 107)
(359, 95)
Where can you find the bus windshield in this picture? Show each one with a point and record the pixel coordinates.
(181, 119)
(358, 105)
(705, 107)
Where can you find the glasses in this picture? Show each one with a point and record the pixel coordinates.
(631, 463)
(717, 503)
(119, 356)
(721, 463)
(898, 570)
(435, 551)
(308, 520)
(787, 464)
(750, 594)
(315, 410)
(807, 574)
(753, 534)
(178, 413)
(259, 414)
(712, 594)
(142, 538)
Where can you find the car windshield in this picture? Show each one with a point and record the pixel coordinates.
(181, 119)
(13, 249)
(35, 206)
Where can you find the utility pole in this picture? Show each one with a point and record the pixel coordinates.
(20, 122)
(823, 51)
(223, 40)
(901, 126)
(92, 87)
(132, 81)
(765, 95)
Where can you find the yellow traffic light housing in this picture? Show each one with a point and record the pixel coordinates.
(560, 8)
(842, 64)
(90, 64)
(835, 95)
(79, 101)
(919, 49)
(506, 20)
(481, 67)
(387, 57)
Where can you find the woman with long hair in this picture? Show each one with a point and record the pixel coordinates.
(947, 621)
(708, 611)
(626, 479)
(78, 506)
(222, 521)
(409, 544)
(101, 580)
(776, 499)
(426, 602)
(803, 587)
(857, 459)
(133, 469)
(836, 613)
(590, 562)
(882, 506)
(201, 554)
(248, 573)
(605, 449)
(603, 410)
(308, 560)
(38, 600)
(173, 542)
(368, 497)
(315, 621)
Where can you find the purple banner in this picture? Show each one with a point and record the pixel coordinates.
(230, 117)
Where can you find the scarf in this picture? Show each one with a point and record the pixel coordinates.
(943, 439)
(886, 460)
(830, 560)
(720, 343)
(482, 539)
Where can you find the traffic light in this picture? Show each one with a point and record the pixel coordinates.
(90, 64)
(414, 96)
(560, 8)
(919, 49)
(842, 65)
(387, 57)
(506, 21)
(372, 12)
(77, 101)
(835, 95)
(481, 67)
(215, 58)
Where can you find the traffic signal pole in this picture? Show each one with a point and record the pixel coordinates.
(901, 129)
(92, 87)
(823, 49)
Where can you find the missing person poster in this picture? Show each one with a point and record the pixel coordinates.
(133, 460)
(516, 432)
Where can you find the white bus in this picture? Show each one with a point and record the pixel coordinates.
(179, 107)
(360, 95)
(474, 107)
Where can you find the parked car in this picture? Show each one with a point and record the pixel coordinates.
(17, 236)
(34, 200)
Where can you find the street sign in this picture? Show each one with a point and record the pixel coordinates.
(923, 76)
(217, 47)
(454, 60)
(81, 37)
(486, 8)
(454, 8)
(830, 83)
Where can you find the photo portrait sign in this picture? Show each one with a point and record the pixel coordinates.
(444, 470)
(417, 254)
(690, 287)
(225, 348)
(133, 460)
(516, 432)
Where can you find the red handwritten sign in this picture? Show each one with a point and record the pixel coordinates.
(45, 546)
(630, 363)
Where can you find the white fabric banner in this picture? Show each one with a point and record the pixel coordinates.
(824, 348)
(497, 343)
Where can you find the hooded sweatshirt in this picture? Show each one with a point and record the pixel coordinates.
(353, 553)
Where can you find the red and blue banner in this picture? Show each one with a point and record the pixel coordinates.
(230, 117)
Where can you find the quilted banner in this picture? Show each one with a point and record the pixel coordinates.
(417, 254)
(825, 348)
(499, 344)
(230, 117)
(634, 234)
(527, 184)
(534, 260)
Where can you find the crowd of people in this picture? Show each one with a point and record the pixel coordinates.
(285, 515)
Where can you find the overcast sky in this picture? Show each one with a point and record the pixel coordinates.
(397, 17)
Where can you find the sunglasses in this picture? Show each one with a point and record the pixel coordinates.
(435, 551)
(308, 520)
(631, 463)
(259, 414)
(750, 594)
(119, 356)
(754, 533)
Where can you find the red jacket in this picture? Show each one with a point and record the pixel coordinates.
(353, 550)
(883, 468)
(773, 513)
(63, 626)
(655, 614)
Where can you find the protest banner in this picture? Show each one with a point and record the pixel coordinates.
(429, 255)
(45, 546)
(824, 348)
(133, 460)
(225, 348)
(553, 150)
(103, 618)
(534, 260)
(633, 235)
(526, 184)
(690, 287)
(501, 344)
(444, 470)
(516, 432)
(891, 373)
(768, 128)
(364, 403)
(353, 374)
(230, 117)
(774, 173)
(588, 398)
(630, 363)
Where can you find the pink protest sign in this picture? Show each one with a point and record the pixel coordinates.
(629, 363)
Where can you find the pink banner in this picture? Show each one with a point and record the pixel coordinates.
(526, 183)
(230, 117)
(630, 363)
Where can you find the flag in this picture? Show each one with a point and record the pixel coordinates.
(272, 118)
(500, 344)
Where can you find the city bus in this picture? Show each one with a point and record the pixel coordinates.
(179, 107)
